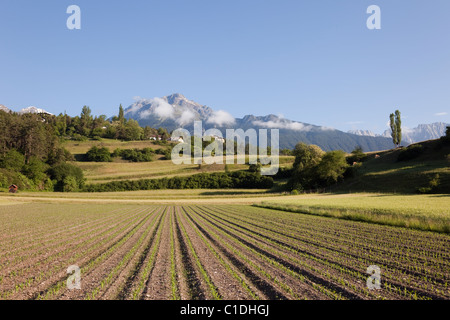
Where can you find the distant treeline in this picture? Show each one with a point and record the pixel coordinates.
(220, 180)
(87, 126)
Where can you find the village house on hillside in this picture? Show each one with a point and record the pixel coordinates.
(217, 138)
(176, 139)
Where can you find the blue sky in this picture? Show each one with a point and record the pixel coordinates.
(313, 61)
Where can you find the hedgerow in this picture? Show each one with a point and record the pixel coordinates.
(218, 180)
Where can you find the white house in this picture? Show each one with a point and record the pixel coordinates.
(176, 139)
(217, 138)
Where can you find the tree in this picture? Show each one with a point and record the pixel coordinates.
(285, 152)
(395, 123)
(163, 133)
(133, 131)
(307, 157)
(357, 155)
(61, 124)
(29, 145)
(85, 121)
(398, 126)
(69, 184)
(35, 170)
(147, 133)
(98, 124)
(393, 128)
(255, 168)
(120, 127)
(96, 154)
(34, 138)
(121, 115)
(332, 166)
(60, 172)
(13, 160)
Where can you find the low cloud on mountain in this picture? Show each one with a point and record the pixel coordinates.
(163, 109)
(187, 116)
(288, 125)
(221, 118)
(174, 111)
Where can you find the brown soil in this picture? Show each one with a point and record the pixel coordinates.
(240, 253)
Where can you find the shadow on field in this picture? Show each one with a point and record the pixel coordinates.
(225, 193)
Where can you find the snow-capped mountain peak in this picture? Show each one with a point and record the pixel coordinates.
(422, 132)
(3, 108)
(33, 109)
(366, 133)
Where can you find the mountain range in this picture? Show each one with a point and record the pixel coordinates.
(30, 109)
(175, 111)
(422, 132)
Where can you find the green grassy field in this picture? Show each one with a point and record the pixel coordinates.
(424, 212)
(103, 172)
(382, 174)
(386, 174)
(387, 181)
(81, 147)
(157, 195)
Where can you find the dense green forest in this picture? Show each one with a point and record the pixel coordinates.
(31, 155)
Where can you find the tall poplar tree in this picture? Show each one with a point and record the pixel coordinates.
(121, 115)
(393, 128)
(396, 127)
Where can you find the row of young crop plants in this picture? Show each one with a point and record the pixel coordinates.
(286, 280)
(38, 268)
(108, 263)
(336, 254)
(37, 244)
(219, 252)
(119, 252)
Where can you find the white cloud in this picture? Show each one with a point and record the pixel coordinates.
(186, 117)
(297, 126)
(162, 109)
(221, 118)
(440, 114)
(280, 125)
(288, 125)
(144, 114)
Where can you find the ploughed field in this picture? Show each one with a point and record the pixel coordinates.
(211, 252)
